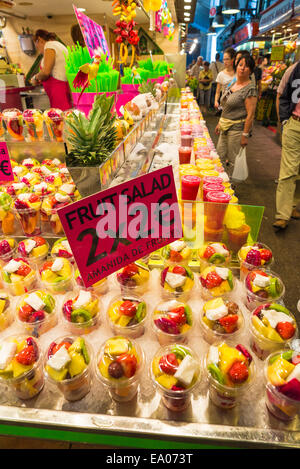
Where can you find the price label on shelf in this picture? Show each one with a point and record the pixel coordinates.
(6, 172)
(117, 226)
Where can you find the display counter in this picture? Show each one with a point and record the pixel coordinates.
(145, 422)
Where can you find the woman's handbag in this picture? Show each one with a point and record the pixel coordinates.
(240, 170)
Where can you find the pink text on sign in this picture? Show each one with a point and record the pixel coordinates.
(6, 172)
(112, 228)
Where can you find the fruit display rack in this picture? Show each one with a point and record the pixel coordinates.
(145, 422)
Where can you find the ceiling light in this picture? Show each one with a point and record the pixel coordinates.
(81, 9)
(187, 1)
(231, 7)
(187, 7)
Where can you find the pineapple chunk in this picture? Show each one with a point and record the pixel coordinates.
(77, 365)
(124, 320)
(167, 381)
(228, 356)
(279, 371)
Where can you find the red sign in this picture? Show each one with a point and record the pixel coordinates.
(212, 12)
(115, 227)
(247, 32)
(6, 172)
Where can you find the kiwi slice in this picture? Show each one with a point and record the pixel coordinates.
(84, 351)
(180, 351)
(279, 308)
(216, 373)
(230, 279)
(140, 312)
(274, 287)
(188, 315)
(189, 273)
(217, 258)
(80, 315)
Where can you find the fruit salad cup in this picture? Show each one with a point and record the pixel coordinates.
(56, 275)
(30, 163)
(7, 219)
(127, 315)
(177, 252)
(69, 189)
(43, 189)
(118, 366)
(6, 314)
(21, 366)
(253, 256)
(231, 371)
(216, 281)
(27, 210)
(261, 287)
(67, 365)
(213, 253)
(172, 322)
(8, 247)
(18, 276)
(100, 288)
(272, 327)
(221, 320)
(177, 281)
(31, 179)
(36, 312)
(34, 249)
(49, 209)
(62, 248)
(81, 312)
(54, 119)
(134, 278)
(175, 371)
(16, 188)
(13, 121)
(34, 123)
(282, 377)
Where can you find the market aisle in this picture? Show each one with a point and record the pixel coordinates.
(264, 154)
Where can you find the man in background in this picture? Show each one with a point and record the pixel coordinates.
(289, 115)
(195, 70)
(215, 68)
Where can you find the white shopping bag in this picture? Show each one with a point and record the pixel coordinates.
(240, 170)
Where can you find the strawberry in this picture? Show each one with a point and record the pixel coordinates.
(130, 270)
(39, 240)
(229, 322)
(163, 276)
(169, 364)
(25, 313)
(51, 348)
(46, 266)
(296, 360)
(27, 356)
(178, 269)
(266, 255)
(56, 347)
(33, 198)
(209, 251)
(213, 280)
(238, 373)
(177, 388)
(129, 364)
(128, 308)
(175, 256)
(23, 270)
(286, 330)
(166, 325)
(178, 315)
(291, 389)
(37, 316)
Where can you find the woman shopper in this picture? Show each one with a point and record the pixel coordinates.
(205, 81)
(225, 77)
(238, 104)
(52, 73)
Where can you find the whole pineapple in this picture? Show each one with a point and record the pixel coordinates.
(91, 139)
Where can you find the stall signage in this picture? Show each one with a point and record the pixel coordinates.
(93, 34)
(6, 172)
(277, 53)
(276, 14)
(246, 32)
(113, 228)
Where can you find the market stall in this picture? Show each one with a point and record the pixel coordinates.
(137, 402)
